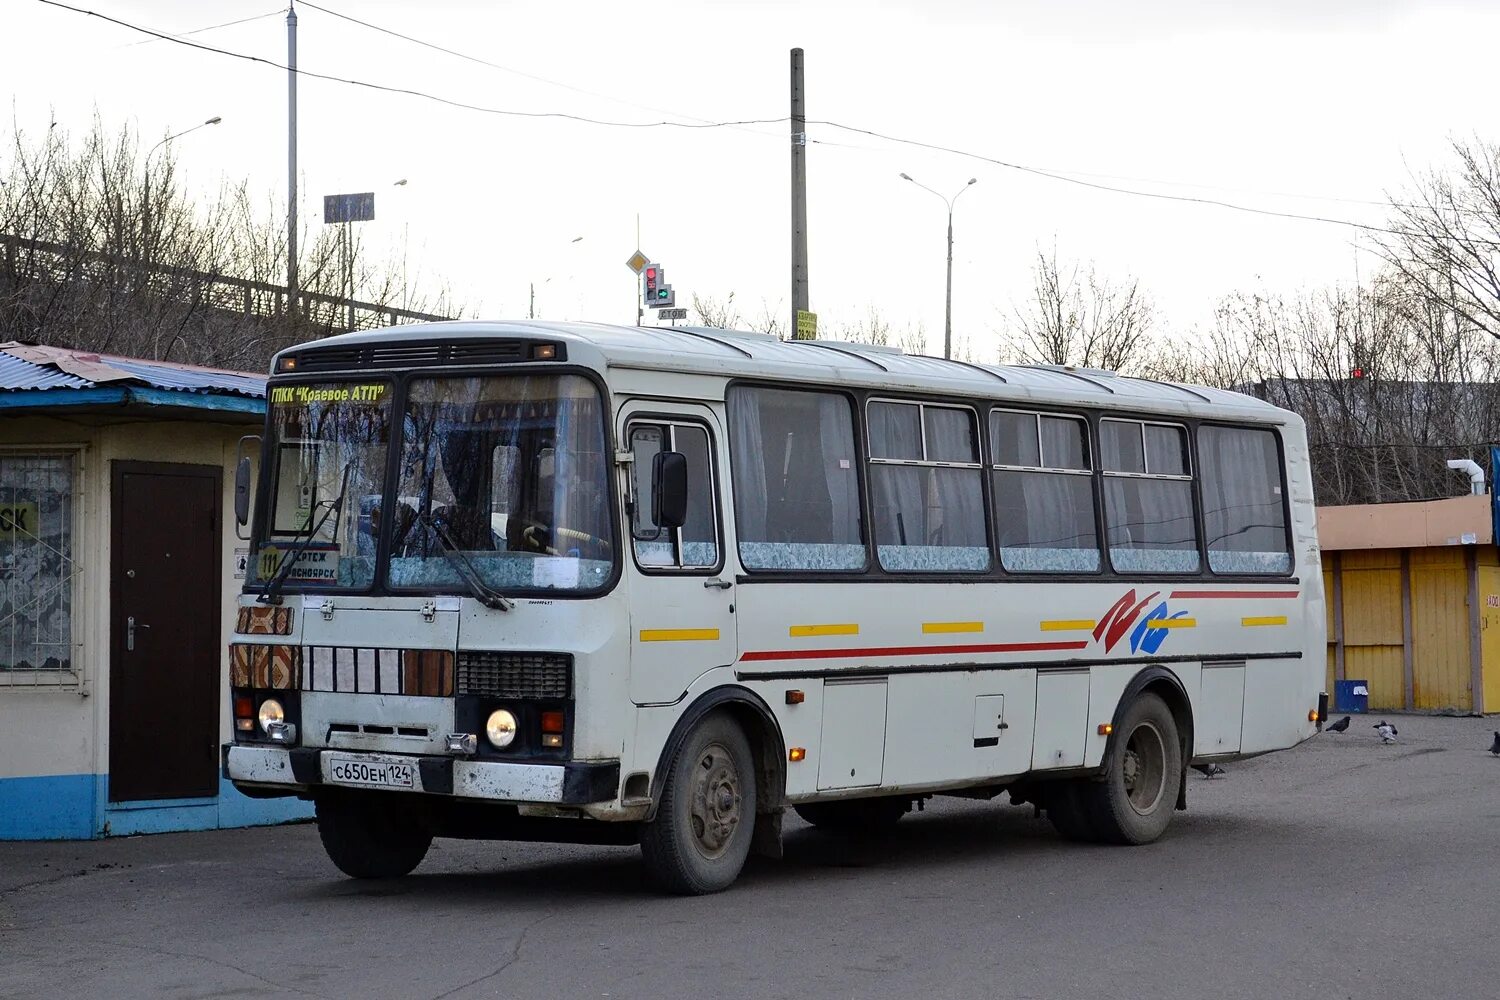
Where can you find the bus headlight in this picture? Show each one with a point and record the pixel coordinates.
(270, 711)
(500, 729)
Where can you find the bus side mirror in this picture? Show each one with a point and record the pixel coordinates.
(669, 488)
(242, 491)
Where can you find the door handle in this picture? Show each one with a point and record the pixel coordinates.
(717, 584)
(130, 626)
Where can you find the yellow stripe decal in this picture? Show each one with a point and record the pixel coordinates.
(940, 627)
(1171, 623)
(1264, 620)
(799, 631)
(678, 634)
(1069, 625)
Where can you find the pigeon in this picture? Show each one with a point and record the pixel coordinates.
(1212, 770)
(1386, 730)
(1339, 726)
(1495, 746)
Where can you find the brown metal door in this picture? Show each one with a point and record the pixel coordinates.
(164, 631)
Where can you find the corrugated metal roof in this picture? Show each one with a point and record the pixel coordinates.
(35, 367)
(18, 374)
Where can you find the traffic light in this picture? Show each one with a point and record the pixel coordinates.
(656, 293)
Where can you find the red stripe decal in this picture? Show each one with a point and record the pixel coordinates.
(829, 654)
(1191, 594)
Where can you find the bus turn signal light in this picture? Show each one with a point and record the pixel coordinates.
(795, 697)
(796, 753)
(1312, 715)
(244, 713)
(543, 352)
(1105, 728)
(552, 722)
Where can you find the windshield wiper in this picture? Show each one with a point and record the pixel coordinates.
(269, 594)
(483, 592)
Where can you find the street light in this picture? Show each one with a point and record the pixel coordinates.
(146, 204)
(531, 309)
(948, 306)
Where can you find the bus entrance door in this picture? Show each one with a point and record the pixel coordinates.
(681, 593)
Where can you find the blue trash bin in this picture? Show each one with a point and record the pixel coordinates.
(1351, 696)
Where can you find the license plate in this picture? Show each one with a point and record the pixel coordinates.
(365, 773)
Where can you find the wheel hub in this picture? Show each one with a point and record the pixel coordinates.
(716, 801)
(1143, 768)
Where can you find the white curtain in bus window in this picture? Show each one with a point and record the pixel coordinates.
(1044, 493)
(1148, 497)
(927, 499)
(796, 491)
(36, 550)
(1243, 501)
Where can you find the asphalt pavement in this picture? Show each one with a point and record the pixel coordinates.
(1343, 868)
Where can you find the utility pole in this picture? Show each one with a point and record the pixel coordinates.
(948, 299)
(291, 162)
(799, 193)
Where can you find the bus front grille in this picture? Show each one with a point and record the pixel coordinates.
(540, 676)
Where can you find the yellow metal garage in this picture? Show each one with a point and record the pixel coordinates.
(1414, 602)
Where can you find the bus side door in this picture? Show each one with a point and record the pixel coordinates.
(681, 592)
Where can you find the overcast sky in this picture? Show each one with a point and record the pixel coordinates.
(1305, 107)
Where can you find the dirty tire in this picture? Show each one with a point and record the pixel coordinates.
(370, 837)
(701, 835)
(858, 816)
(1133, 800)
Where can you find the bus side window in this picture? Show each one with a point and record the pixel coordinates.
(1243, 500)
(1043, 492)
(796, 485)
(1148, 497)
(696, 543)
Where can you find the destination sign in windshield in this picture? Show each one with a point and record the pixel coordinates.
(306, 395)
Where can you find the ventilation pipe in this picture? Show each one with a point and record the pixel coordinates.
(1476, 474)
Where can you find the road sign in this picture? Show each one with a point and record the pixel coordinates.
(807, 325)
(678, 313)
(349, 207)
(637, 261)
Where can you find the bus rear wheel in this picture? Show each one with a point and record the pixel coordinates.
(700, 837)
(856, 816)
(1132, 801)
(370, 837)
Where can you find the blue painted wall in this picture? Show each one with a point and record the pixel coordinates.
(77, 807)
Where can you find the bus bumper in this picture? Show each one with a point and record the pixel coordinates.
(301, 770)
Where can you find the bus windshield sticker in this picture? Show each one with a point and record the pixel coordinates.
(307, 395)
(556, 572)
(318, 563)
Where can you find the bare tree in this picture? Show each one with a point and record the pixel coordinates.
(101, 253)
(725, 315)
(719, 313)
(1075, 317)
(1448, 234)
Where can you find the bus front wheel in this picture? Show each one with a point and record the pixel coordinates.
(1132, 801)
(700, 837)
(369, 837)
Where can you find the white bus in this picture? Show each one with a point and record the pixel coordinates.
(577, 582)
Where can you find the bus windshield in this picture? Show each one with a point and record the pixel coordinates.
(326, 457)
(503, 477)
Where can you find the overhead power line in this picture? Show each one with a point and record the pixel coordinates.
(479, 61)
(409, 92)
(211, 27)
(1160, 195)
(1055, 175)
